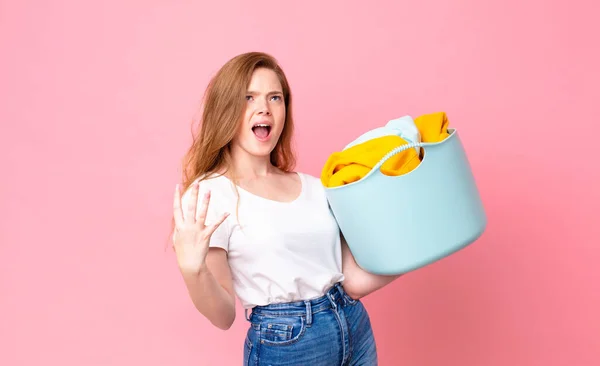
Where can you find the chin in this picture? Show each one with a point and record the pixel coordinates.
(264, 147)
(261, 151)
(258, 147)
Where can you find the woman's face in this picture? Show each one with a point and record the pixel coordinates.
(264, 115)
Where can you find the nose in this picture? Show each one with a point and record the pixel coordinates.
(262, 108)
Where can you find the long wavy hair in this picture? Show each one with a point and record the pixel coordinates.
(222, 112)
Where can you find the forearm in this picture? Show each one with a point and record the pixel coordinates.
(210, 298)
(359, 283)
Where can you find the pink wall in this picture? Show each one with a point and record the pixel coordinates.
(96, 100)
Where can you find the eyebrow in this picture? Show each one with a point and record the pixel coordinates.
(269, 93)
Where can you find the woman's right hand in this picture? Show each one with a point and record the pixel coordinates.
(192, 235)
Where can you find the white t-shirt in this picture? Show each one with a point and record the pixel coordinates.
(277, 251)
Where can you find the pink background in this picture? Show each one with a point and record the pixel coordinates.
(96, 100)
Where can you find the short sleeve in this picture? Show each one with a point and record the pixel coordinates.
(216, 208)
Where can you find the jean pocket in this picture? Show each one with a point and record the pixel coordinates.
(280, 331)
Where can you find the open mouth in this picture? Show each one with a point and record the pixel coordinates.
(261, 130)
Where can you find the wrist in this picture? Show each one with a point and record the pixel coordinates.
(192, 275)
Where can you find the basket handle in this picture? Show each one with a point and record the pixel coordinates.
(395, 151)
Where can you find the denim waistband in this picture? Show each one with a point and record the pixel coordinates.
(334, 297)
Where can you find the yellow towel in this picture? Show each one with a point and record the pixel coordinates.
(352, 164)
(433, 126)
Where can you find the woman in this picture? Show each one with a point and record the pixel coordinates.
(249, 226)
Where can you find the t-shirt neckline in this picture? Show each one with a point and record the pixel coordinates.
(300, 195)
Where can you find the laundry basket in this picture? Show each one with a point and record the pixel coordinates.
(395, 224)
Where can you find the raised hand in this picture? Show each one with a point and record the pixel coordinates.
(192, 235)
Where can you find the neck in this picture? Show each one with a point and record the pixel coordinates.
(247, 166)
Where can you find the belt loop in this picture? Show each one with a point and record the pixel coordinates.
(308, 313)
(331, 300)
(342, 293)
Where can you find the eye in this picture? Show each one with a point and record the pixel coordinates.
(248, 97)
(276, 97)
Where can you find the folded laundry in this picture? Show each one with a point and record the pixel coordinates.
(361, 155)
(404, 127)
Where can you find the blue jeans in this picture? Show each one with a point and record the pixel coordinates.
(331, 330)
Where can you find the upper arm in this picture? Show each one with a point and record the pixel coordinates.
(348, 262)
(358, 282)
(350, 269)
(218, 265)
(216, 258)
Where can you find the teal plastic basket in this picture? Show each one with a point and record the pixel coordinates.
(396, 224)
